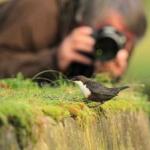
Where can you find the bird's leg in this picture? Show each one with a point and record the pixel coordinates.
(103, 111)
(96, 106)
(85, 100)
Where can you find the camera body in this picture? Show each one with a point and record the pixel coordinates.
(108, 42)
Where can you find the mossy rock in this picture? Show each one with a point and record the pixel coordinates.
(34, 118)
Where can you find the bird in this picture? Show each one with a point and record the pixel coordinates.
(95, 91)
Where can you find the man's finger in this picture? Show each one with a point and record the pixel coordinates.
(83, 30)
(83, 48)
(122, 55)
(81, 59)
(87, 40)
(122, 59)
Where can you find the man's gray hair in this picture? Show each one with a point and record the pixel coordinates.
(131, 10)
(89, 11)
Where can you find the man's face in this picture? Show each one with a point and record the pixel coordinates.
(116, 20)
(117, 66)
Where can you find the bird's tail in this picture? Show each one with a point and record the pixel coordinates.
(123, 88)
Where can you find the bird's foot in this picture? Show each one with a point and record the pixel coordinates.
(87, 101)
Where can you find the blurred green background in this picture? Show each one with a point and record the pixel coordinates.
(139, 67)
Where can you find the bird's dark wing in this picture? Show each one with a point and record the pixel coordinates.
(99, 91)
(96, 88)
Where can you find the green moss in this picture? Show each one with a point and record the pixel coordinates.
(23, 102)
(56, 112)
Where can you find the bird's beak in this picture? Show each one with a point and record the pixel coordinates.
(73, 79)
(78, 82)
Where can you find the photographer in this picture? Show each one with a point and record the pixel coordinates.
(37, 35)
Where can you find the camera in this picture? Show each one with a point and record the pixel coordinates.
(108, 42)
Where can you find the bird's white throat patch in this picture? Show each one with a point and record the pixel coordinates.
(83, 88)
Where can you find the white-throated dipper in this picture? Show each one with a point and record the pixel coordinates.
(95, 91)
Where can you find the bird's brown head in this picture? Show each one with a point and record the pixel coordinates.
(81, 78)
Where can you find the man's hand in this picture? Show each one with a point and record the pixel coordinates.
(116, 67)
(79, 39)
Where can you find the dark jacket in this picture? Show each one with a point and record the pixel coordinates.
(30, 33)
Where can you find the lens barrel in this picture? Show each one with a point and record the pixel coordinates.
(108, 42)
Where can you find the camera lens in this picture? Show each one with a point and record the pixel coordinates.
(106, 49)
(108, 42)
